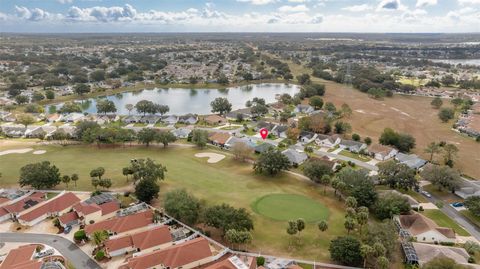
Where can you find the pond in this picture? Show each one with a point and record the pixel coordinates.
(184, 101)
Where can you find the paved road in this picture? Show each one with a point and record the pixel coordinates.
(345, 158)
(68, 249)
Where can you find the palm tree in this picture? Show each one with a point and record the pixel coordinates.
(99, 237)
(365, 251)
(323, 226)
(432, 149)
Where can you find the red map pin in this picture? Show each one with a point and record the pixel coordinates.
(264, 133)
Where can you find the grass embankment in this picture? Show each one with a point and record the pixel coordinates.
(225, 182)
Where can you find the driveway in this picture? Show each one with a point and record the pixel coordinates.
(68, 249)
(345, 158)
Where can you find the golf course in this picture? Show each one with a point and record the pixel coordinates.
(272, 201)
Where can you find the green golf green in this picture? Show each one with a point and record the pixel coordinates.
(290, 206)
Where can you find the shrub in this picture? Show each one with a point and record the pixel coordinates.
(471, 259)
(420, 208)
(91, 221)
(100, 255)
(79, 235)
(260, 261)
(447, 244)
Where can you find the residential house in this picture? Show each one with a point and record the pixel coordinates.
(51, 208)
(85, 213)
(295, 157)
(189, 254)
(153, 239)
(150, 119)
(219, 138)
(410, 160)
(305, 109)
(132, 119)
(122, 224)
(70, 130)
(280, 131)
(261, 148)
(423, 229)
(234, 140)
(382, 152)
(245, 114)
(13, 130)
(328, 141)
(230, 261)
(189, 119)
(352, 146)
(215, 119)
(170, 119)
(326, 161)
(73, 117)
(22, 257)
(17, 206)
(181, 132)
(428, 252)
(40, 131)
(265, 125)
(306, 137)
(54, 117)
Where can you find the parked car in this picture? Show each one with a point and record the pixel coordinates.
(427, 194)
(67, 229)
(45, 253)
(457, 204)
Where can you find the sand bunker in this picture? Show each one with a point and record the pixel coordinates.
(12, 151)
(212, 157)
(38, 152)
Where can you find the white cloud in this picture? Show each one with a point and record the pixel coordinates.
(258, 2)
(469, 2)
(34, 14)
(65, 1)
(292, 9)
(424, 3)
(103, 14)
(358, 8)
(298, 1)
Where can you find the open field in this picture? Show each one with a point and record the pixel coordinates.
(225, 181)
(409, 114)
(443, 220)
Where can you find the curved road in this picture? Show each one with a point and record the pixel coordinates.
(68, 249)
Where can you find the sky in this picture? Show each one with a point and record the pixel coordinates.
(405, 16)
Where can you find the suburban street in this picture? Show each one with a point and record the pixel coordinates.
(68, 249)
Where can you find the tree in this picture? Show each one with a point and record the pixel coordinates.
(316, 102)
(325, 180)
(366, 251)
(97, 75)
(258, 110)
(456, 102)
(315, 170)
(384, 232)
(66, 179)
(50, 94)
(95, 182)
(441, 176)
(450, 153)
(199, 137)
(300, 225)
(241, 151)
(292, 228)
(446, 114)
(271, 162)
(162, 109)
(351, 202)
(346, 250)
(443, 263)
(233, 237)
(145, 106)
(358, 184)
(303, 79)
(391, 204)
(350, 224)
(106, 106)
(147, 136)
(383, 262)
(346, 110)
(226, 217)
(165, 137)
(81, 89)
(146, 190)
(448, 80)
(41, 175)
(99, 237)
(403, 142)
(21, 99)
(70, 107)
(471, 247)
(221, 105)
(129, 107)
(330, 107)
(436, 102)
(97, 172)
(74, 178)
(293, 133)
(147, 169)
(342, 127)
(472, 203)
(105, 183)
(25, 119)
(397, 175)
(367, 141)
(323, 225)
(432, 149)
(182, 206)
(356, 137)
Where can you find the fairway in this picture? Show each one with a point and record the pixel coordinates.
(284, 207)
(227, 181)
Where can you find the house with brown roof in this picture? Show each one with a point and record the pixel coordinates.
(382, 152)
(21, 258)
(15, 207)
(54, 207)
(146, 241)
(118, 225)
(219, 138)
(230, 261)
(189, 254)
(428, 252)
(215, 119)
(424, 229)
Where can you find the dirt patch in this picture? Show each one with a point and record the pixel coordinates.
(212, 157)
(13, 151)
(38, 152)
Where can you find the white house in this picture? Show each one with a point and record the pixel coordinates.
(423, 229)
(381, 152)
(328, 141)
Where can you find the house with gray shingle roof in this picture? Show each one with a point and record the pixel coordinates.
(295, 157)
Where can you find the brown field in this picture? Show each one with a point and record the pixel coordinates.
(409, 114)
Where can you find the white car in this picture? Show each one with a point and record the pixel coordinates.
(426, 194)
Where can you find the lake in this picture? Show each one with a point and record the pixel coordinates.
(475, 62)
(197, 101)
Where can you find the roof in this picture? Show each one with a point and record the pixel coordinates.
(263, 147)
(25, 203)
(142, 240)
(219, 137)
(427, 252)
(123, 224)
(56, 204)
(68, 217)
(351, 143)
(410, 160)
(21, 258)
(230, 262)
(175, 256)
(214, 118)
(380, 149)
(295, 156)
(418, 224)
(109, 207)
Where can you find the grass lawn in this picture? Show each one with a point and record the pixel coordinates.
(474, 219)
(443, 220)
(446, 196)
(230, 127)
(355, 156)
(225, 182)
(417, 196)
